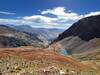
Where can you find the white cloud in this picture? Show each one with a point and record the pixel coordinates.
(7, 13)
(63, 19)
(92, 14)
(61, 14)
(10, 21)
(15, 22)
(56, 11)
(39, 19)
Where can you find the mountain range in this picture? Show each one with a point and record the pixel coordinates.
(49, 33)
(10, 37)
(23, 35)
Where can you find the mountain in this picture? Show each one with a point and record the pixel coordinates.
(10, 37)
(82, 36)
(48, 33)
(11, 42)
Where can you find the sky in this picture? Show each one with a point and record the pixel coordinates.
(47, 13)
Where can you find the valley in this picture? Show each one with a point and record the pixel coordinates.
(49, 37)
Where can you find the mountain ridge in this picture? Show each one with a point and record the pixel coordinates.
(47, 33)
(30, 39)
(82, 35)
(81, 29)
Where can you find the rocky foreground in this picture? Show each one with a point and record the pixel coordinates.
(36, 61)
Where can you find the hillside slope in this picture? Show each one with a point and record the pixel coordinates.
(17, 38)
(31, 54)
(82, 36)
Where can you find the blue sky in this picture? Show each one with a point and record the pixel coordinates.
(46, 13)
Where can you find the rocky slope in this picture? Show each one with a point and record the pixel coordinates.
(12, 42)
(10, 37)
(82, 36)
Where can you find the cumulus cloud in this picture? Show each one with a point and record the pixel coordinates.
(63, 19)
(39, 19)
(61, 14)
(55, 11)
(7, 13)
